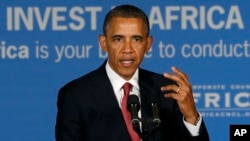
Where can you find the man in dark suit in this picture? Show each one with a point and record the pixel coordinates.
(89, 108)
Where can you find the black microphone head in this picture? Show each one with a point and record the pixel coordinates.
(133, 100)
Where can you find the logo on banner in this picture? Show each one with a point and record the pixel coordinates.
(223, 100)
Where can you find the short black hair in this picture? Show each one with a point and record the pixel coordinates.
(125, 11)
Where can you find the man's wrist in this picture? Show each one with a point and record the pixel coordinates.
(193, 121)
(197, 119)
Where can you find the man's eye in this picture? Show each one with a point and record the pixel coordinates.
(117, 39)
(138, 39)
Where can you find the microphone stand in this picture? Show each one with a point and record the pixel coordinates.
(149, 127)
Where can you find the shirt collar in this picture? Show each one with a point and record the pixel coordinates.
(117, 81)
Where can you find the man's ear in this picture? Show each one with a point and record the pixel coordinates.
(102, 42)
(149, 43)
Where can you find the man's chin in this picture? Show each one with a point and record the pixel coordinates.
(127, 74)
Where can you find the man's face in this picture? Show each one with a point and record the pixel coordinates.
(126, 42)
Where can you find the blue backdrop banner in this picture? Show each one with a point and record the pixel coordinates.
(45, 44)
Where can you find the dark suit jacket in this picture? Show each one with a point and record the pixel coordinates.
(88, 110)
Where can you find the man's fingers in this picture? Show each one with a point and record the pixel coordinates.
(172, 95)
(171, 88)
(181, 74)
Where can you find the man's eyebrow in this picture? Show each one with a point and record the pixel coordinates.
(117, 36)
(137, 36)
(121, 36)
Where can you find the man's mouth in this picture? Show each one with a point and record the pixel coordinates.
(127, 62)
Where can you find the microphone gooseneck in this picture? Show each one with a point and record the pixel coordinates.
(156, 117)
(133, 106)
(150, 124)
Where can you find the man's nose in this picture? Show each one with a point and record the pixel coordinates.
(127, 46)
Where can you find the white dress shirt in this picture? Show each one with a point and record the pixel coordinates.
(117, 83)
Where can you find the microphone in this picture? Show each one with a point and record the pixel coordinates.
(155, 110)
(133, 106)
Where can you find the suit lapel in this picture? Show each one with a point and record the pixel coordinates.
(108, 104)
(148, 92)
(103, 88)
(145, 93)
